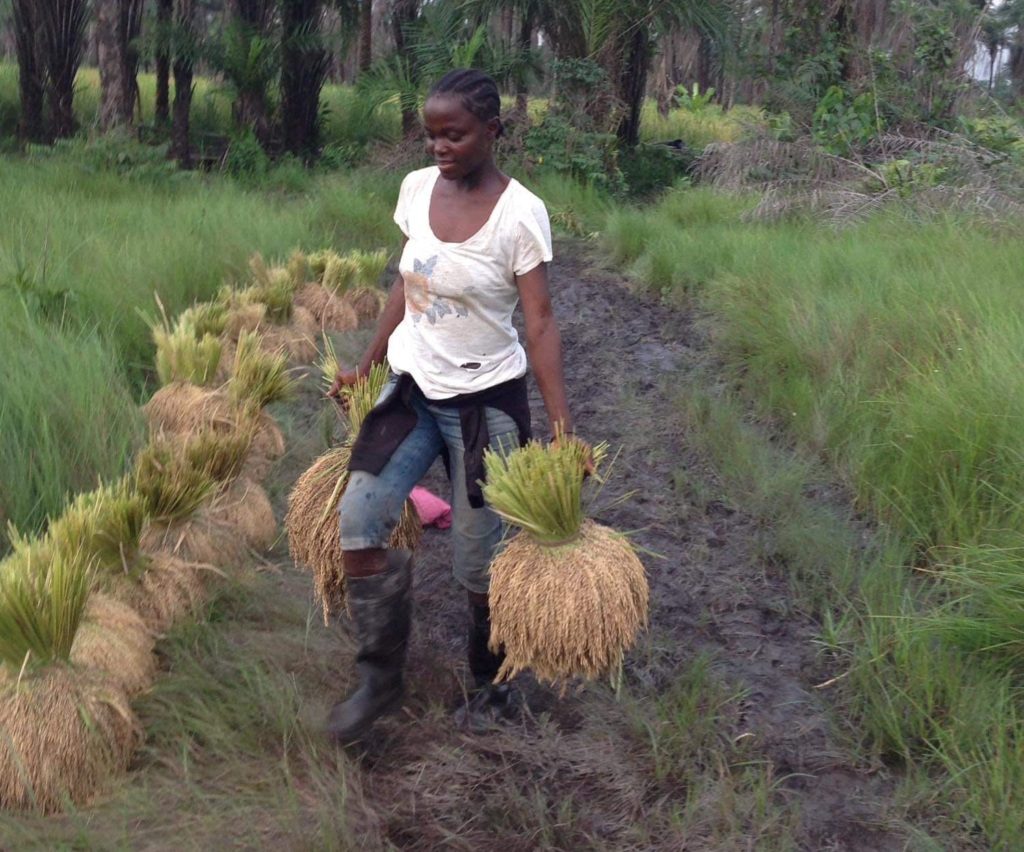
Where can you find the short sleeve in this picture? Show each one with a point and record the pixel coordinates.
(533, 237)
(405, 194)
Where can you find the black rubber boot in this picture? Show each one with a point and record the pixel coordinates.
(487, 702)
(381, 608)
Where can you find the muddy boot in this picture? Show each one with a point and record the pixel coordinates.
(380, 606)
(487, 702)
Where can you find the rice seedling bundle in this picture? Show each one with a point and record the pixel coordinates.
(114, 640)
(258, 378)
(205, 318)
(366, 302)
(101, 527)
(170, 487)
(202, 539)
(568, 596)
(298, 270)
(63, 729)
(64, 733)
(330, 312)
(370, 266)
(312, 518)
(167, 589)
(184, 409)
(184, 356)
(339, 273)
(43, 596)
(245, 507)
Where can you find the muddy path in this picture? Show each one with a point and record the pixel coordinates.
(743, 757)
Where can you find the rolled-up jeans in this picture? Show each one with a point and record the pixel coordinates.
(372, 503)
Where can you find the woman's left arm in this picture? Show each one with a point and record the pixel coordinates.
(544, 345)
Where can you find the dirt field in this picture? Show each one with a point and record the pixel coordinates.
(717, 740)
(594, 771)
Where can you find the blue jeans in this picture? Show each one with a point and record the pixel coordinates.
(372, 504)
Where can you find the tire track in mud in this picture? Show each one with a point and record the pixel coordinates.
(577, 772)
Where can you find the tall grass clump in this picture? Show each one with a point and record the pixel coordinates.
(889, 349)
(67, 417)
(93, 247)
(698, 128)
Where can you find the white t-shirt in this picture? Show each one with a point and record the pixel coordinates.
(457, 335)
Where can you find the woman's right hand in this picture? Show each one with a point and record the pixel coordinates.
(344, 379)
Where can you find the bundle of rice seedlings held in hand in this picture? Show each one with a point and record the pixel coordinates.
(312, 519)
(568, 596)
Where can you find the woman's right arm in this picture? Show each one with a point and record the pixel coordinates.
(376, 352)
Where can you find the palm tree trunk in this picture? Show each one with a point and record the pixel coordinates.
(182, 68)
(403, 13)
(365, 34)
(633, 84)
(117, 24)
(164, 12)
(526, 26)
(63, 24)
(31, 127)
(303, 70)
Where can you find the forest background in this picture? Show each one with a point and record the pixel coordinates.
(836, 187)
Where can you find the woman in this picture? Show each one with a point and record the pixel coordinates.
(476, 242)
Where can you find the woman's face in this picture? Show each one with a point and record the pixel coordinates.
(458, 141)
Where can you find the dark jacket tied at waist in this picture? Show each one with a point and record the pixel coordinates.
(388, 424)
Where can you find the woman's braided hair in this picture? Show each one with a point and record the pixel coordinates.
(476, 90)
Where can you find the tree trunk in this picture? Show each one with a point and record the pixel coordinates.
(252, 18)
(117, 25)
(525, 43)
(31, 127)
(633, 84)
(182, 67)
(164, 11)
(303, 69)
(63, 25)
(404, 13)
(365, 34)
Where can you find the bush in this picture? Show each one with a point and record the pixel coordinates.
(649, 169)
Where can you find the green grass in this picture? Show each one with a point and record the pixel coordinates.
(86, 253)
(67, 416)
(231, 756)
(889, 351)
(698, 128)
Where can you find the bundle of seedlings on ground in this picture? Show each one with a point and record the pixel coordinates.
(312, 519)
(568, 596)
(354, 278)
(176, 494)
(64, 729)
(259, 377)
(185, 410)
(185, 355)
(105, 528)
(268, 305)
(101, 527)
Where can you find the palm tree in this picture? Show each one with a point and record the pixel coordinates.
(27, 32)
(248, 55)
(118, 23)
(62, 25)
(162, 55)
(184, 51)
(1012, 14)
(992, 31)
(304, 64)
(621, 36)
